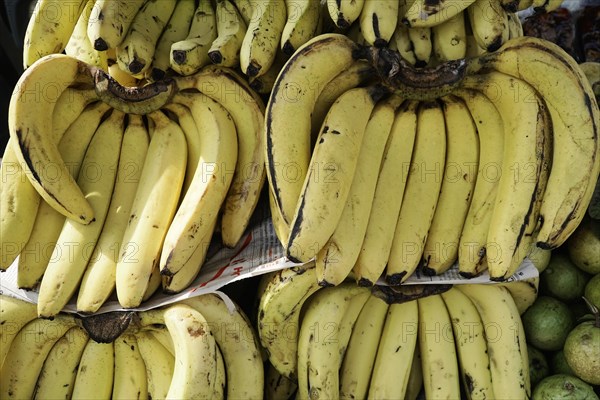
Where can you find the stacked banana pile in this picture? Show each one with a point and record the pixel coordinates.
(106, 188)
(471, 161)
(197, 348)
(352, 342)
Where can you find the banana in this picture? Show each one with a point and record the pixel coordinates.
(319, 355)
(231, 29)
(546, 6)
(220, 379)
(237, 342)
(378, 20)
(195, 351)
(396, 349)
(27, 353)
(427, 14)
(345, 12)
(337, 258)
(523, 292)
(29, 115)
(526, 158)
(421, 194)
(438, 354)
(506, 345)
(331, 171)
(122, 77)
(489, 23)
(74, 245)
(347, 324)
(355, 372)
(58, 374)
(450, 39)
(248, 115)
(38, 250)
(49, 28)
(524, 4)
(130, 370)
(159, 364)
(98, 281)
(200, 205)
(14, 315)
(415, 378)
(135, 52)
(490, 129)
(401, 43)
(279, 315)
(110, 21)
(421, 45)
(177, 29)
(159, 186)
(574, 114)
(262, 37)
(458, 182)
(282, 229)
(79, 45)
(264, 84)
(161, 334)
(302, 24)
(245, 9)
(359, 73)
(189, 55)
(471, 345)
(277, 386)
(95, 374)
(313, 66)
(154, 283)
(387, 200)
(515, 28)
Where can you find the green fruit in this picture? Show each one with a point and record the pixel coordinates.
(592, 290)
(540, 258)
(547, 323)
(584, 246)
(559, 365)
(562, 279)
(538, 366)
(563, 387)
(582, 351)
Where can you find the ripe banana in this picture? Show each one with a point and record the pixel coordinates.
(57, 377)
(574, 113)
(313, 66)
(378, 20)
(130, 370)
(489, 23)
(238, 344)
(191, 54)
(471, 345)
(49, 28)
(331, 171)
(177, 29)
(14, 315)
(200, 206)
(525, 160)
(355, 372)
(79, 45)
(159, 186)
(96, 371)
(319, 356)
(263, 36)
(75, 243)
(302, 24)
(245, 9)
(38, 250)
(546, 5)
(515, 29)
(135, 52)
(279, 315)
(231, 29)
(387, 200)
(438, 354)
(344, 12)
(426, 14)
(27, 353)
(277, 386)
(523, 292)
(396, 349)
(421, 45)
(161, 334)
(450, 39)
(490, 129)
(159, 364)
(421, 194)
(506, 345)
(110, 21)
(402, 44)
(458, 182)
(336, 259)
(414, 386)
(98, 281)
(263, 84)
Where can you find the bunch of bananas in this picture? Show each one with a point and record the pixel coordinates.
(186, 159)
(353, 342)
(478, 160)
(200, 347)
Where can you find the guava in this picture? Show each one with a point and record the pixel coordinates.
(562, 279)
(563, 387)
(582, 350)
(584, 246)
(547, 323)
